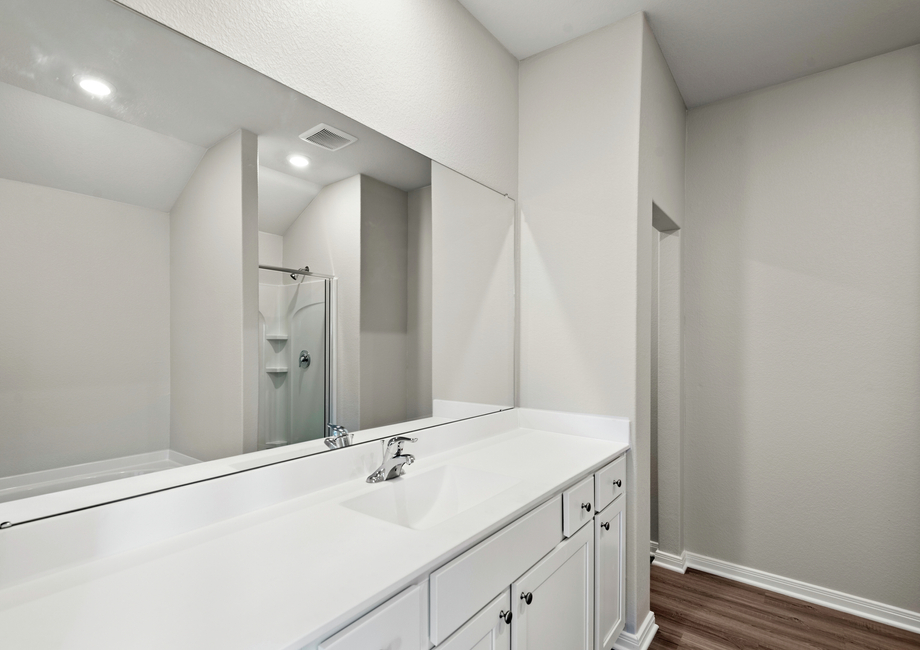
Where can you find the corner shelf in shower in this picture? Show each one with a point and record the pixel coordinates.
(276, 370)
(276, 337)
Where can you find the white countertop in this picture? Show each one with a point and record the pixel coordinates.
(287, 575)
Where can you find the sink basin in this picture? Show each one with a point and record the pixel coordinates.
(424, 500)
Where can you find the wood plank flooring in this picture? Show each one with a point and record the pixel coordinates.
(699, 611)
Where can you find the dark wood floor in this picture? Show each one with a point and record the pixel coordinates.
(699, 611)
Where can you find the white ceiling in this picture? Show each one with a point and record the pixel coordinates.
(173, 99)
(719, 48)
(282, 198)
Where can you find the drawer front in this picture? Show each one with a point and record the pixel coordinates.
(395, 625)
(465, 585)
(577, 506)
(609, 483)
(487, 630)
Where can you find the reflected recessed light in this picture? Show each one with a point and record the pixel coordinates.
(298, 161)
(95, 87)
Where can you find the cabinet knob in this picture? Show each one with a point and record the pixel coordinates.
(618, 483)
(586, 506)
(505, 616)
(527, 597)
(606, 525)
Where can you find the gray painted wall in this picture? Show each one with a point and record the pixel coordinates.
(418, 351)
(587, 243)
(802, 304)
(81, 381)
(384, 303)
(213, 309)
(472, 235)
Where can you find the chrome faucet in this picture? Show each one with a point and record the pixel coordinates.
(337, 436)
(394, 460)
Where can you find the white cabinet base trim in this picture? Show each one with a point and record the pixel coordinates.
(671, 562)
(642, 639)
(875, 611)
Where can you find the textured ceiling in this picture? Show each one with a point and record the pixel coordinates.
(173, 99)
(719, 48)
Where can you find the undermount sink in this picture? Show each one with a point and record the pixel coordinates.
(421, 501)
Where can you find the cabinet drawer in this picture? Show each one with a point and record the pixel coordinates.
(609, 483)
(487, 630)
(395, 625)
(465, 585)
(577, 506)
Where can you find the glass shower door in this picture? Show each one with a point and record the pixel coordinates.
(294, 389)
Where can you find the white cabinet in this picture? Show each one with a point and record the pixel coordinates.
(554, 601)
(490, 629)
(609, 544)
(398, 624)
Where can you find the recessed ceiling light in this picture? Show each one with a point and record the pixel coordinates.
(95, 87)
(298, 161)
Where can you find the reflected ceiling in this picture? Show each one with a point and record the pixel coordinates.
(140, 144)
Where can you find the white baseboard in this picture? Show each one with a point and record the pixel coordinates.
(875, 611)
(642, 639)
(653, 548)
(671, 562)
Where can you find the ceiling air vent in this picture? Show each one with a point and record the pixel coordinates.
(328, 137)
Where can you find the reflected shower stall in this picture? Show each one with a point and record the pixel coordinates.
(296, 335)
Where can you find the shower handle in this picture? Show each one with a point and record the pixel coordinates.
(304, 360)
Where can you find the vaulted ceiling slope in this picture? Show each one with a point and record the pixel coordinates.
(719, 48)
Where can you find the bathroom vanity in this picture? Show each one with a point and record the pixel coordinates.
(557, 572)
(508, 531)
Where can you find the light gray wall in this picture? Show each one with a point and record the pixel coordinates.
(579, 246)
(214, 304)
(661, 205)
(327, 238)
(472, 243)
(586, 240)
(578, 223)
(802, 353)
(81, 381)
(384, 303)
(424, 73)
(668, 459)
(653, 399)
(418, 328)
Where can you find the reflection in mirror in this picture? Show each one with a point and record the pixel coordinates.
(144, 179)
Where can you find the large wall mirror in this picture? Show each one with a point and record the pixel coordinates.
(198, 262)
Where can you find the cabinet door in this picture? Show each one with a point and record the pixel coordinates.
(609, 544)
(490, 629)
(560, 588)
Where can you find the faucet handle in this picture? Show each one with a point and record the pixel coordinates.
(399, 441)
